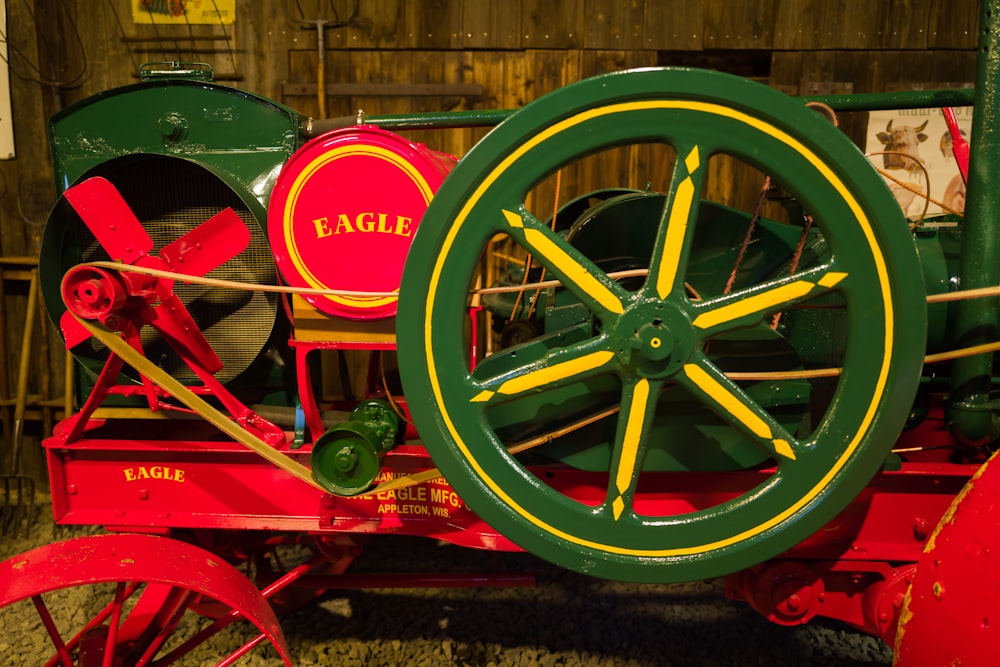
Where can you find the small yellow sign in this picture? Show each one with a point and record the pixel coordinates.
(184, 11)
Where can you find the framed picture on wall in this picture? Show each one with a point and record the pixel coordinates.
(913, 150)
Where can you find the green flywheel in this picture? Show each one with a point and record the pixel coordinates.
(655, 339)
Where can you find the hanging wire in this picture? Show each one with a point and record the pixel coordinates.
(232, 54)
(796, 258)
(747, 237)
(44, 43)
(121, 29)
(909, 187)
(39, 79)
(156, 35)
(187, 22)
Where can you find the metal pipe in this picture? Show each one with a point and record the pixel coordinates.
(971, 417)
(914, 99)
(909, 99)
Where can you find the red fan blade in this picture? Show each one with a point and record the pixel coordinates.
(175, 323)
(110, 219)
(72, 331)
(210, 244)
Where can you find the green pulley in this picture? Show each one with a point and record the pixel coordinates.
(347, 457)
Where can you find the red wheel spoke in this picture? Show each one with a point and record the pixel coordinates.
(223, 622)
(62, 653)
(98, 619)
(242, 651)
(116, 617)
(165, 622)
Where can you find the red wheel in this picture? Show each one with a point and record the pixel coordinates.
(949, 615)
(150, 583)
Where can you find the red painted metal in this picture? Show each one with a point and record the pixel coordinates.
(303, 373)
(125, 302)
(172, 480)
(950, 615)
(176, 574)
(177, 478)
(855, 569)
(784, 592)
(960, 146)
(110, 219)
(182, 475)
(858, 567)
(865, 594)
(107, 215)
(343, 212)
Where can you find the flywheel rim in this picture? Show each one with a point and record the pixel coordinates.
(698, 113)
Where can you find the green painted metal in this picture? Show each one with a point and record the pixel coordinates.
(240, 136)
(175, 69)
(912, 99)
(939, 252)
(654, 337)
(617, 234)
(347, 458)
(571, 215)
(972, 415)
(903, 99)
(236, 142)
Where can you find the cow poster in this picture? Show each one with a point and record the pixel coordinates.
(912, 147)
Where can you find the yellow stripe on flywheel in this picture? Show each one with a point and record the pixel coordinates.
(561, 261)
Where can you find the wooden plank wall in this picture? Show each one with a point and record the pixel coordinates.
(61, 51)
(516, 50)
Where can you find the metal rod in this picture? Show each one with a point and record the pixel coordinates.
(970, 415)
(910, 99)
(917, 99)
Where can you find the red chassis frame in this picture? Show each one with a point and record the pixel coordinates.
(181, 476)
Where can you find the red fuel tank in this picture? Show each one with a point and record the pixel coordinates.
(343, 213)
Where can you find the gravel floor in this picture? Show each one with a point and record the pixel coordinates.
(566, 620)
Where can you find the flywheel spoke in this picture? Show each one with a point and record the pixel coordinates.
(639, 396)
(559, 367)
(748, 307)
(733, 405)
(677, 226)
(590, 284)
